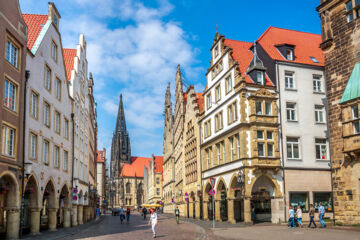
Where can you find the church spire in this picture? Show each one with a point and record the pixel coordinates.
(120, 121)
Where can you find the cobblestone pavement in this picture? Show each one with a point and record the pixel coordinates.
(279, 232)
(109, 228)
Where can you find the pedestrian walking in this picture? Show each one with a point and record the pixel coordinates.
(312, 215)
(177, 214)
(153, 221)
(299, 215)
(122, 216)
(128, 215)
(97, 212)
(321, 215)
(144, 212)
(291, 217)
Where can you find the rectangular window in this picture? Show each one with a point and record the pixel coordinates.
(46, 114)
(66, 159)
(317, 84)
(216, 51)
(260, 77)
(319, 114)
(81, 171)
(66, 128)
(350, 17)
(46, 152)
(321, 149)
(54, 51)
(325, 199)
(238, 145)
(300, 200)
(228, 84)
(223, 151)
(34, 103)
(269, 135)
(10, 95)
(232, 148)
(218, 153)
(270, 149)
(261, 149)
(291, 111)
(232, 113)
(260, 134)
(289, 80)
(208, 101)
(258, 106)
(57, 122)
(58, 88)
(158, 191)
(12, 53)
(218, 93)
(292, 145)
(157, 180)
(33, 146)
(8, 141)
(268, 110)
(208, 158)
(56, 156)
(47, 81)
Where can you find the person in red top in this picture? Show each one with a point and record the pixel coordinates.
(128, 215)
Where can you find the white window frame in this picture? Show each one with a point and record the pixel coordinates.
(319, 114)
(262, 145)
(58, 88)
(65, 159)
(33, 146)
(10, 92)
(8, 139)
(12, 53)
(54, 48)
(46, 118)
(208, 101)
(272, 149)
(259, 103)
(268, 104)
(218, 152)
(291, 113)
(260, 78)
(290, 56)
(289, 80)
(355, 118)
(292, 144)
(317, 84)
(232, 153)
(56, 156)
(47, 80)
(57, 122)
(46, 152)
(321, 146)
(34, 98)
(262, 134)
(218, 93)
(228, 83)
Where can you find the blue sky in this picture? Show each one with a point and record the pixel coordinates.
(135, 46)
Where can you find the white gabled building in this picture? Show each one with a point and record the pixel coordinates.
(77, 73)
(48, 126)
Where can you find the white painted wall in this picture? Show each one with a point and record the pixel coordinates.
(79, 91)
(36, 65)
(305, 126)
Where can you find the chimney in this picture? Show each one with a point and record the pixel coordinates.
(54, 15)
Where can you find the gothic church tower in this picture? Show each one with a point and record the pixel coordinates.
(120, 147)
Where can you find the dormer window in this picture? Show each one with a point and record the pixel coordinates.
(314, 59)
(290, 54)
(260, 77)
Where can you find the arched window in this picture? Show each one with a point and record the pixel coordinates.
(128, 186)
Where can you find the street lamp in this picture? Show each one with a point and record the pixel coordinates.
(28, 169)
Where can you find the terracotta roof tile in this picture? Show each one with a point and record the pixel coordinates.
(306, 45)
(35, 23)
(136, 168)
(243, 55)
(69, 55)
(158, 164)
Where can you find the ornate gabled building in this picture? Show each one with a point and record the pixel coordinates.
(239, 137)
(126, 172)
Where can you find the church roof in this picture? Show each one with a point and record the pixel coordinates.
(136, 168)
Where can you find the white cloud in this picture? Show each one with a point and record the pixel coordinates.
(132, 50)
